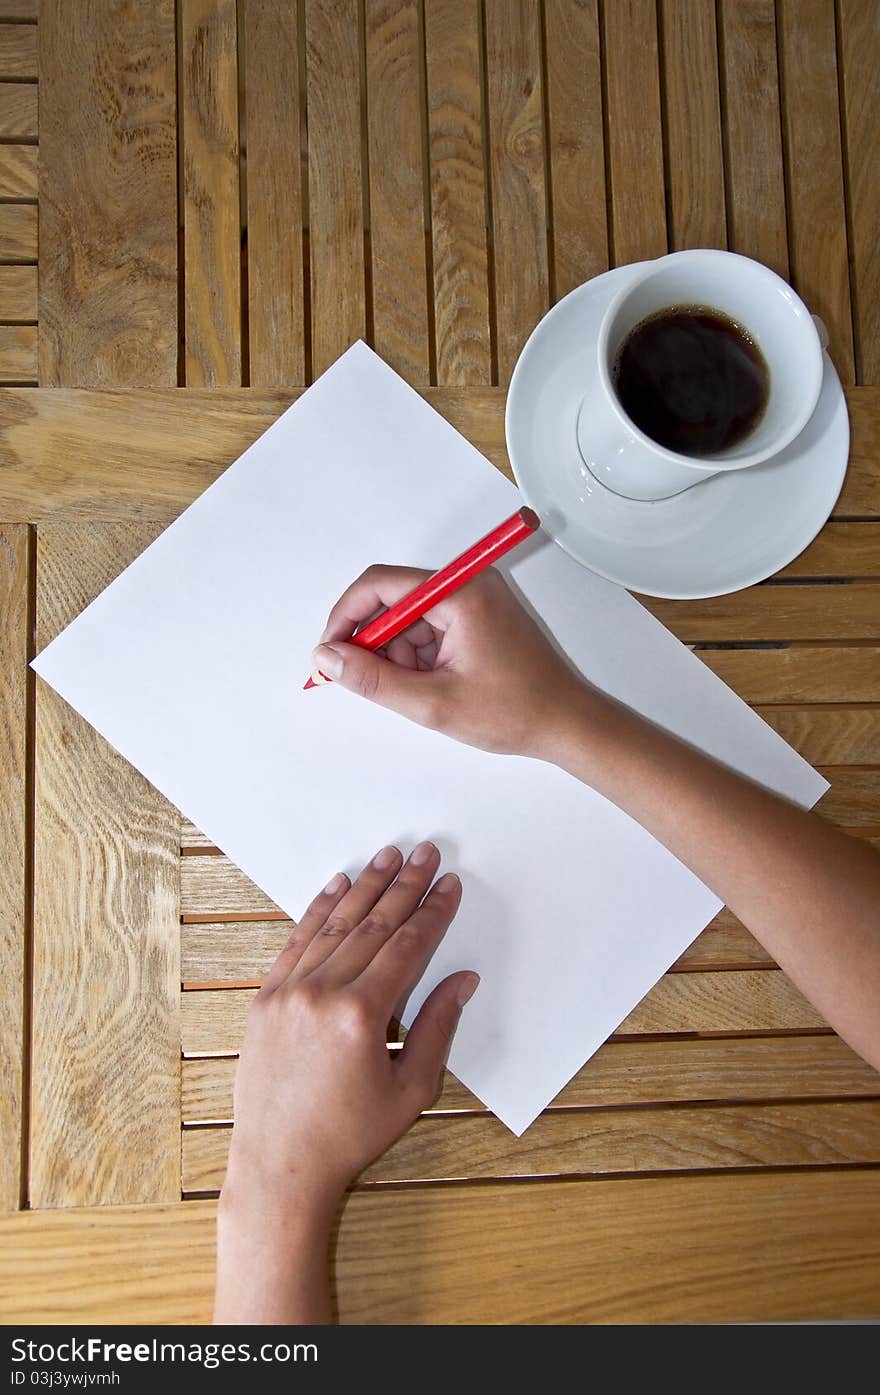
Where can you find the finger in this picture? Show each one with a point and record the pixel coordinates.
(385, 918)
(403, 958)
(377, 587)
(401, 652)
(426, 656)
(410, 692)
(429, 1038)
(305, 930)
(351, 908)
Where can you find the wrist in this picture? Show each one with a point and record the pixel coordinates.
(577, 728)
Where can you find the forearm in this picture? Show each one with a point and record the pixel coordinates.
(272, 1263)
(809, 893)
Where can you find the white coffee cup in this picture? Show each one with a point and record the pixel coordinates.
(629, 462)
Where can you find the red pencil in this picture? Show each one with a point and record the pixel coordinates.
(411, 608)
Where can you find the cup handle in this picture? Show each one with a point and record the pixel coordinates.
(822, 331)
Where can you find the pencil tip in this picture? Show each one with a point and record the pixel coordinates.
(310, 684)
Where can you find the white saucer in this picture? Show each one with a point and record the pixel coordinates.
(724, 533)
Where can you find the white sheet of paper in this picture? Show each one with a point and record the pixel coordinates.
(192, 664)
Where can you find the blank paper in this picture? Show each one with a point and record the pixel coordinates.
(192, 664)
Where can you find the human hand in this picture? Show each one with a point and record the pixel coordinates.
(477, 667)
(318, 1096)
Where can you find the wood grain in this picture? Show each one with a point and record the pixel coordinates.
(829, 736)
(516, 147)
(859, 39)
(748, 1000)
(274, 194)
(840, 550)
(791, 675)
(209, 67)
(628, 1073)
(18, 293)
(627, 1250)
(14, 642)
(108, 195)
(593, 1144)
(18, 353)
(756, 221)
(814, 166)
(336, 213)
(18, 171)
(397, 187)
(18, 109)
(18, 51)
(105, 1074)
(18, 231)
(695, 162)
(458, 192)
(635, 146)
(847, 611)
(19, 9)
(853, 800)
(150, 454)
(576, 144)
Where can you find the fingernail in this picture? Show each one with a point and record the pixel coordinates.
(335, 884)
(448, 882)
(423, 854)
(467, 988)
(386, 858)
(328, 660)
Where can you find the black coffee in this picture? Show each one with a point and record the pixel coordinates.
(692, 379)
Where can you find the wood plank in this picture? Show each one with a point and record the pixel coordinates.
(829, 736)
(814, 168)
(792, 675)
(105, 1078)
(14, 642)
(18, 171)
(840, 550)
(756, 223)
(18, 353)
(108, 195)
(336, 212)
(18, 293)
(18, 51)
(628, 1250)
(748, 1000)
(458, 192)
(18, 231)
(394, 60)
(274, 194)
(153, 452)
(240, 952)
(635, 145)
(19, 9)
(629, 1073)
(576, 143)
(18, 109)
(847, 611)
(594, 1144)
(695, 161)
(853, 800)
(859, 39)
(215, 886)
(211, 216)
(518, 194)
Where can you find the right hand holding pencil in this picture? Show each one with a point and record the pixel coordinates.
(476, 667)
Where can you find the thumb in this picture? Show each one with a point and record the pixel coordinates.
(430, 1036)
(372, 677)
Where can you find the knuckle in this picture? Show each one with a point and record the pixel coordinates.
(336, 927)
(353, 1018)
(409, 937)
(373, 924)
(367, 681)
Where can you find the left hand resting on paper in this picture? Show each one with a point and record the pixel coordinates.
(318, 1096)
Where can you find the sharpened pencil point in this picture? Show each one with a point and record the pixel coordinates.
(310, 683)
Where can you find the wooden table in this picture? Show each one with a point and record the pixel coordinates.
(228, 195)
